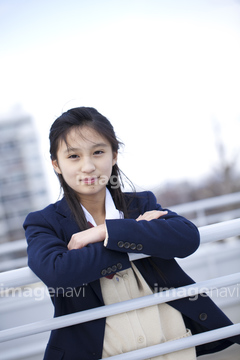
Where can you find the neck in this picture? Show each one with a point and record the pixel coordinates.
(95, 205)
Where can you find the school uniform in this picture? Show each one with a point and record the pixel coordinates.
(87, 271)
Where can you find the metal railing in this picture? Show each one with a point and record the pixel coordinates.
(197, 210)
(210, 233)
(200, 207)
(113, 309)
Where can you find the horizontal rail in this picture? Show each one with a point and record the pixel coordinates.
(19, 277)
(13, 246)
(214, 232)
(7, 265)
(29, 350)
(180, 344)
(193, 206)
(21, 245)
(209, 203)
(219, 231)
(203, 219)
(113, 309)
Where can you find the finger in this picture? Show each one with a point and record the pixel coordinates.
(159, 213)
(151, 215)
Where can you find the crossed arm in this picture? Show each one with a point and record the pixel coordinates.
(99, 233)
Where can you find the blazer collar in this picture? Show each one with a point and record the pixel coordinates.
(111, 211)
(66, 219)
(62, 208)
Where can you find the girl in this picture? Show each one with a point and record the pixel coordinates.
(84, 242)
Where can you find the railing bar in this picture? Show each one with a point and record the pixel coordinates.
(209, 203)
(193, 206)
(18, 277)
(113, 309)
(21, 245)
(25, 276)
(219, 231)
(32, 350)
(13, 246)
(20, 262)
(180, 344)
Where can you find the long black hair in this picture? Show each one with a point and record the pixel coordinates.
(90, 117)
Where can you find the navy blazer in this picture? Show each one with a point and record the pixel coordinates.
(73, 276)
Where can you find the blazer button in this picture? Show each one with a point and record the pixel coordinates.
(203, 316)
(120, 244)
(114, 268)
(127, 245)
(139, 247)
(119, 266)
(109, 270)
(133, 246)
(104, 272)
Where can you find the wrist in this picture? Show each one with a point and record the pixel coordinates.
(103, 231)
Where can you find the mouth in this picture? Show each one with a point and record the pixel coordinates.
(89, 181)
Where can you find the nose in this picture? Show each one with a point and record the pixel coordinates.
(87, 165)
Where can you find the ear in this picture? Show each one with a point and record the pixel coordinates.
(56, 167)
(115, 157)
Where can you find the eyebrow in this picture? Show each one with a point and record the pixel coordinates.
(73, 149)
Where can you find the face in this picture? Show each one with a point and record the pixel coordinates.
(85, 162)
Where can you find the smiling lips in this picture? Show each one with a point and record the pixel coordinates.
(89, 181)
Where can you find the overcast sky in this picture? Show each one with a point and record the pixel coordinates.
(163, 72)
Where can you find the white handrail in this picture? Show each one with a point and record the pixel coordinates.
(209, 233)
(214, 232)
(180, 344)
(18, 277)
(13, 246)
(219, 231)
(209, 203)
(193, 206)
(113, 309)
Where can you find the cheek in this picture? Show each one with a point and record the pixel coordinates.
(106, 170)
(108, 167)
(68, 172)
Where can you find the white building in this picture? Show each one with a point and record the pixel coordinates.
(22, 181)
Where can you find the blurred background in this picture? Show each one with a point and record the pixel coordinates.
(165, 73)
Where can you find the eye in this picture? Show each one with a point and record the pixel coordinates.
(98, 152)
(73, 156)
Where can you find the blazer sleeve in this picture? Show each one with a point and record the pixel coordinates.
(168, 237)
(50, 259)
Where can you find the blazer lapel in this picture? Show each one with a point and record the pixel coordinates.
(70, 227)
(66, 219)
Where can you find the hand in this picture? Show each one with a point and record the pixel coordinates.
(151, 215)
(89, 236)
